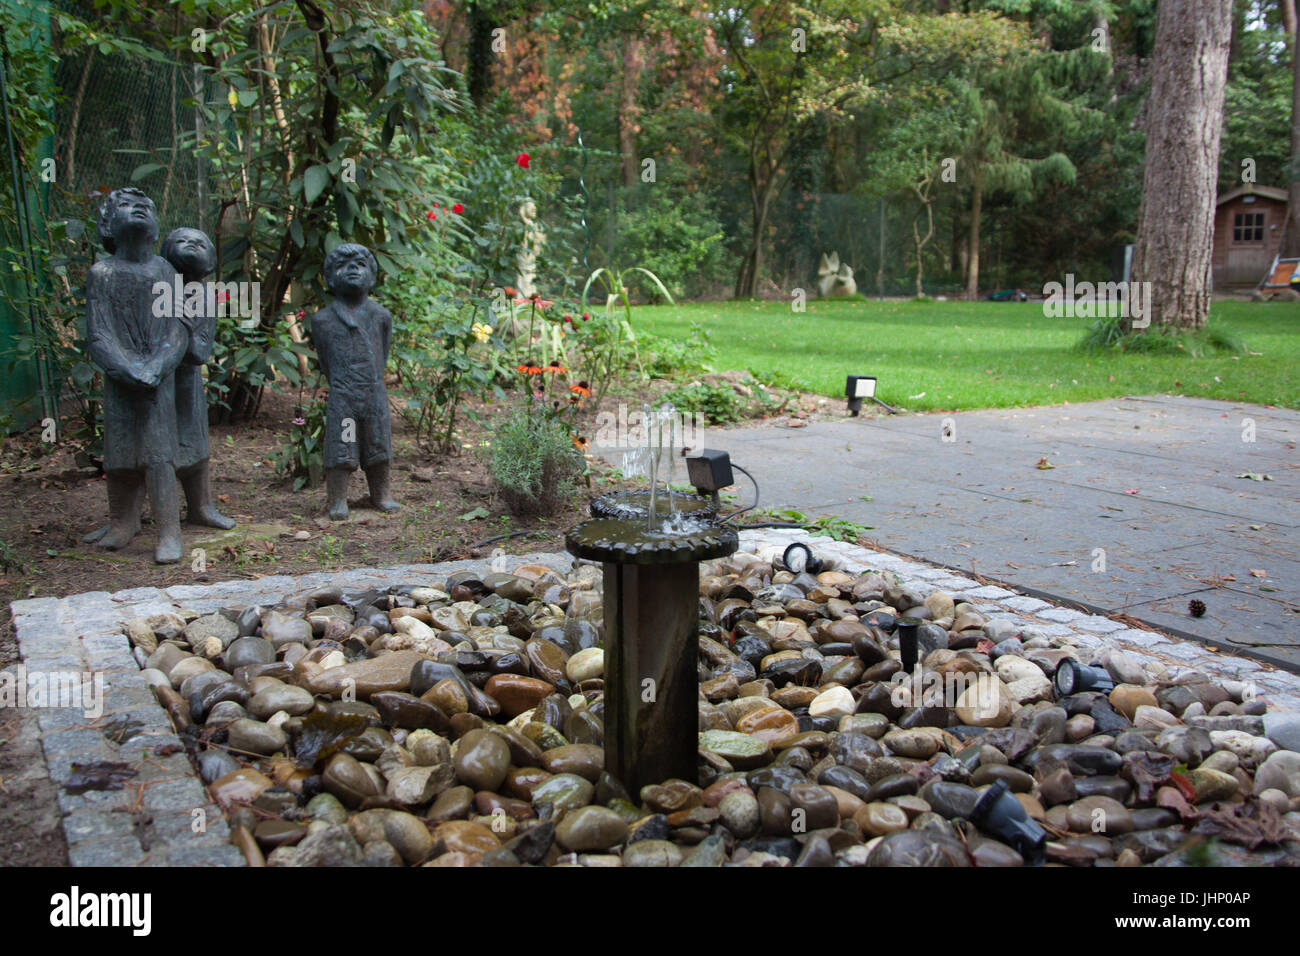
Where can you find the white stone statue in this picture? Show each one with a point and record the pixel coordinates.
(835, 279)
(526, 260)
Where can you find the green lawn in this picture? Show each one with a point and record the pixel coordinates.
(982, 354)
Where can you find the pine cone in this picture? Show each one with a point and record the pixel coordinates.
(1196, 608)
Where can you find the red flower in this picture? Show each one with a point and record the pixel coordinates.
(458, 209)
(430, 215)
(510, 291)
(223, 296)
(586, 316)
(302, 315)
(523, 159)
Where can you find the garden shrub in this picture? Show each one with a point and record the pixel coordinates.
(534, 463)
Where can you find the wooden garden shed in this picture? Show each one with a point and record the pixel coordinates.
(1249, 223)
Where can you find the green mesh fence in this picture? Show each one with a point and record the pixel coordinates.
(117, 114)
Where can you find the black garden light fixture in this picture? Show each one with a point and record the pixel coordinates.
(1071, 677)
(858, 387)
(798, 558)
(907, 642)
(1000, 814)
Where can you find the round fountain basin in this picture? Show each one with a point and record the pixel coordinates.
(636, 504)
(624, 541)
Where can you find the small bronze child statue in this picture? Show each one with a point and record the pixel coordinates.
(351, 337)
(191, 253)
(138, 347)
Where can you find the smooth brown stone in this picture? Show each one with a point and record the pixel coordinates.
(273, 833)
(399, 709)
(585, 760)
(715, 791)
(488, 804)
(794, 695)
(517, 694)
(520, 781)
(820, 808)
(448, 696)
(696, 816)
(461, 724)
(244, 841)
(482, 759)
(546, 659)
(239, 786)
(391, 671)
(461, 836)
(771, 726)
(451, 804)
(671, 796)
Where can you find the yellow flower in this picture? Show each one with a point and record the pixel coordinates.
(233, 99)
(481, 332)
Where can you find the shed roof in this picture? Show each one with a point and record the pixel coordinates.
(1251, 189)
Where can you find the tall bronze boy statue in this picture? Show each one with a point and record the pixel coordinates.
(351, 336)
(138, 348)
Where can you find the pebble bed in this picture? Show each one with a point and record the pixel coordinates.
(451, 716)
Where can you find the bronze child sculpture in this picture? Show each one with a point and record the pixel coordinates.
(138, 347)
(192, 255)
(351, 336)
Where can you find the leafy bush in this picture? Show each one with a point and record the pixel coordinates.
(534, 463)
(666, 357)
(674, 234)
(302, 457)
(1107, 332)
(718, 403)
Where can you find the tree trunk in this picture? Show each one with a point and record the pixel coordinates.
(973, 244)
(1292, 245)
(1184, 119)
(751, 267)
(478, 59)
(880, 258)
(628, 83)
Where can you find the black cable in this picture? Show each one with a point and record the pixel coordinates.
(755, 483)
(508, 534)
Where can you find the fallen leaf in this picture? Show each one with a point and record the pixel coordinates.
(224, 499)
(1044, 464)
(479, 512)
(1258, 573)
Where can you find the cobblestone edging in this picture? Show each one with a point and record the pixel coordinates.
(164, 816)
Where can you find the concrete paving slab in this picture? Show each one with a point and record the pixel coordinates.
(1153, 481)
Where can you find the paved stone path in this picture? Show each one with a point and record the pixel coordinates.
(1149, 484)
(163, 815)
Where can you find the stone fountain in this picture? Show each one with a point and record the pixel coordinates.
(650, 544)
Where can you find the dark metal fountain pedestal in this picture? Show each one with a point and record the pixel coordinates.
(651, 607)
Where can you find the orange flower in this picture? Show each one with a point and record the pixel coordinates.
(510, 291)
(529, 369)
(556, 369)
(580, 443)
(581, 388)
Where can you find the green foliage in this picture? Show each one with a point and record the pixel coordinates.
(674, 234)
(534, 463)
(719, 404)
(1108, 333)
(667, 357)
(302, 457)
(10, 563)
(832, 526)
